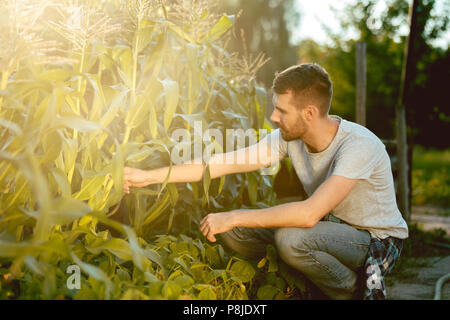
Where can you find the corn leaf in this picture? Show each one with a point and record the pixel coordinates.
(89, 187)
(65, 210)
(171, 95)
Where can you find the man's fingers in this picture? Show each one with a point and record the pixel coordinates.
(209, 234)
(204, 228)
(204, 220)
(126, 187)
(127, 184)
(127, 173)
(211, 237)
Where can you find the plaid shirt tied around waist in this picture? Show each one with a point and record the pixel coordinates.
(381, 258)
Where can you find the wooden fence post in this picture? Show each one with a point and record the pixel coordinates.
(407, 80)
(361, 83)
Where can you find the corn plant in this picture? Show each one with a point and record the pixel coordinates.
(88, 87)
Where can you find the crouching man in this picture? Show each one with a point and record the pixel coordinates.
(345, 170)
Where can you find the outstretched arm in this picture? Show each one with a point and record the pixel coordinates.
(248, 159)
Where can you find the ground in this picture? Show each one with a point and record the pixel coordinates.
(418, 282)
(430, 218)
(422, 286)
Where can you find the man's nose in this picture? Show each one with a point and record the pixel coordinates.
(274, 117)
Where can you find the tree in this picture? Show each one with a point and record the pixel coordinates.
(427, 105)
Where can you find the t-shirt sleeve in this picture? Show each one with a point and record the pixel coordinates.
(356, 159)
(278, 146)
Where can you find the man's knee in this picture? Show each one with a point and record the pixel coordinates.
(291, 243)
(243, 241)
(234, 238)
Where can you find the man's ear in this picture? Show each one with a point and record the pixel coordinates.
(310, 112)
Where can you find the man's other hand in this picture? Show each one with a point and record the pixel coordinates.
(133, 177)
(215, 223)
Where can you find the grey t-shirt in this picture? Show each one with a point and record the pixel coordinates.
(356, 153)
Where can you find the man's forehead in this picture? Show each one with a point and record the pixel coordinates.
(284, 98)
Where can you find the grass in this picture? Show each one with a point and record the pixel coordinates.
(431, 178)
(430, 159)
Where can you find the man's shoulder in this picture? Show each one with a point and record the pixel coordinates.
(358, 141)
(358, 135)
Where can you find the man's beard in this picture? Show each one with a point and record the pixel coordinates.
(290, 135)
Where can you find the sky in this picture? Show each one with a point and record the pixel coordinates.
(316, 12)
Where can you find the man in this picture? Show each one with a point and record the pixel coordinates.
(345, 170)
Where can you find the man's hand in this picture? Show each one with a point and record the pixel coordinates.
(215, 223)
(133, 177)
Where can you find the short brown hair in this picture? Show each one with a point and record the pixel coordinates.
(310, 84)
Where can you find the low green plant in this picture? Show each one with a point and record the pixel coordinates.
(167, 268)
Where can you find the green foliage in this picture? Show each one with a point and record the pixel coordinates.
(132, 73)
(274, 279)
(431, 177)
(169, 268)
(431, 188)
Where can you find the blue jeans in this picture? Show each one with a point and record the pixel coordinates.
(329, 253)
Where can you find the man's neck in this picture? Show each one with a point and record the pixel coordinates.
(322, 135)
